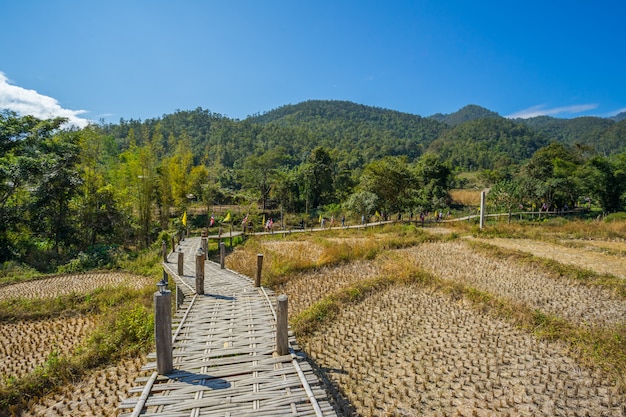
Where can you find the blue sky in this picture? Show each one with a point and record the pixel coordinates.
(130, 59)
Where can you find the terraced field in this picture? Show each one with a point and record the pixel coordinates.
(424, 349)
(28, 344)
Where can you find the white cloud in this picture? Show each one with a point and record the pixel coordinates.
(540, 110)
(24, 101)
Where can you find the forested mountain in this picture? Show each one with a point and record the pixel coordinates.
(359, 133)
(594, 132)
(466, 114)
(471, 138)
(350, 127)
(487, 144)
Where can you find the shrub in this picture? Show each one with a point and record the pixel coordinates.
(615, 217)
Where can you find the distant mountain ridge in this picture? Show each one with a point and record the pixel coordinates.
(619, 117)
(472, 138)
(466, 114)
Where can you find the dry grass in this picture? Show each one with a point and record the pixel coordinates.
(465, 197)
(281, 258)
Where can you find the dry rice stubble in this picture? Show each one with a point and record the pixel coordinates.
(408, 349)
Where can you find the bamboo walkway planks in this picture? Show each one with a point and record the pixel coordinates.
(224, 360)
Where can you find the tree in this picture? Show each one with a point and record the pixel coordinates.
(98, 211)
(391, 180)
(285, 189)
(553, 171)
(21, 158)
(605, 180)
(433, 179)
(317, 178)
(506, 195)
(361, 203)
(59, 181)
(259, 172)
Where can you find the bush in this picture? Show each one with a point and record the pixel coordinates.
(96, 257)
(615, 217)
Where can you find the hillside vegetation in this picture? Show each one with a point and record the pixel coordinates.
(73, 200)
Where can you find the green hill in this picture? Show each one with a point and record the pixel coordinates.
(466, 114)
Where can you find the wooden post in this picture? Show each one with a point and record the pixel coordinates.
(180, 297)
(199, 272)
(259, 268)
(180, 263)
(163, 331)
(164, 251)
(173, 244)
(205, 246)
(165, 276)
(482, 209)
(222, 254)
(282, 335)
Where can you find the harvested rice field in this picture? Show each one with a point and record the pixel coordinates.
(424, 349)
(73, 283)
(26, 344)
(581, 257)
(528, 284)
(96, 395)
(408, 352)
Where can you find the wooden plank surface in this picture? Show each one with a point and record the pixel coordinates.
(224, 360)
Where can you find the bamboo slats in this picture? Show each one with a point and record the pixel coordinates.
(223, 352)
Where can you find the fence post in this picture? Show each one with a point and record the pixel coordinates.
(180, 297)
(164, 251)
(482, 209)
(222, 254)
(205, 246)
(180, 263)
(163, 330)
(259, 268)
(173, 244)
(199, 272)
(282, 335)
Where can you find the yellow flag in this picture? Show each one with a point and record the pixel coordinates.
(185, 218)
(227, 218)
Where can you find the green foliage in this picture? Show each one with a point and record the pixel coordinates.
(487, 144)
(466, 114)
(64, 192)
(615, 217)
